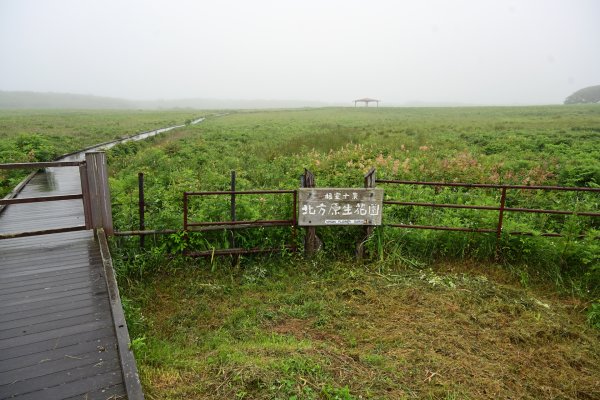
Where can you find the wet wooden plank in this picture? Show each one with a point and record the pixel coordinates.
(23, 275)
(40, 270)
(47, 322)
(75, 382)
(91, 388)
(57, 334)
(96, 344)
(54, 243)
(39, 165)
(50, 310)
(36, 323)
(39, 292)
(52, 344)
(42, 279)
(111, 393)
(11, 314)
(48, 282)
(37, 300)
(51, 334)
(46, 373)
(41, 199)
(54, 259)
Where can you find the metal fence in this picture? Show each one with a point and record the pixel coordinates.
(501, 208)
(234, 224)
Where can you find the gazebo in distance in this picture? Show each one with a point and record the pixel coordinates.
(366, 100)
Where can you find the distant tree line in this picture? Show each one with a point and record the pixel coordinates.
(590, 94)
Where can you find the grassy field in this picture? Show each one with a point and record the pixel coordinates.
(323, 329)
(430, 316)
(270, 149)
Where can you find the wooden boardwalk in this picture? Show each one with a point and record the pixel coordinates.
(57, 335)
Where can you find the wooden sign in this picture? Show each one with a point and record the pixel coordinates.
(339, 206)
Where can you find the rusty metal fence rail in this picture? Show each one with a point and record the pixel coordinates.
(234, 224)
(501, 208)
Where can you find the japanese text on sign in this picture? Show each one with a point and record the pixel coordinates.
(340, 206)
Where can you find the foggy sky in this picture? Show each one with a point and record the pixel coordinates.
(470, 51)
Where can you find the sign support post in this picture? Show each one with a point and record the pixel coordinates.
(369, 182)
(312, 243)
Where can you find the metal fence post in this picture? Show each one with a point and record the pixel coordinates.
(500, 222)
(185, 222)
(236, 258)
(141, 207)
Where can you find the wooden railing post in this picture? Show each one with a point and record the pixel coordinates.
(98, 192)
(369, 182)
(85, 192)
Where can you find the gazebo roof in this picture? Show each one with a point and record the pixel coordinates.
(366, 99)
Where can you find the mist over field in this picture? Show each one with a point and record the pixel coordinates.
(302, 53)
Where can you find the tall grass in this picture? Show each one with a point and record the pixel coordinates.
(269, 150)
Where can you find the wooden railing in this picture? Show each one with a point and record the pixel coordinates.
(95, 194)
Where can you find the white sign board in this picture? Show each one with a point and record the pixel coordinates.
(339, 206)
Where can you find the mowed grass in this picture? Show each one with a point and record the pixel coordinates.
(325, 329)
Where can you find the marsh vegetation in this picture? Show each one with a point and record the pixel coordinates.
(431, 315)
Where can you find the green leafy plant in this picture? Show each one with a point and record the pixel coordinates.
(593, 314)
